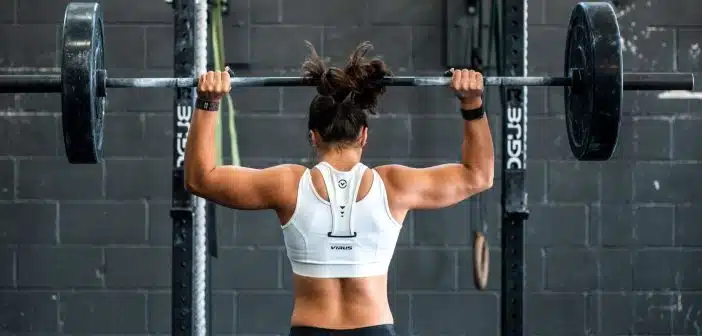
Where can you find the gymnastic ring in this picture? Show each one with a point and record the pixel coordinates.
(481, 261)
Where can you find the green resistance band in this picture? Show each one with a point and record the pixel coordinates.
(218, 50)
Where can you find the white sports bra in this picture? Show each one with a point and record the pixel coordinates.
(342, 237)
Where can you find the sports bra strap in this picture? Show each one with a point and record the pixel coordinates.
(342, 188)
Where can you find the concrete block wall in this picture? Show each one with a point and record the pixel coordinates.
(613, 247)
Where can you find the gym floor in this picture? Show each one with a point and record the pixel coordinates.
(613, 248)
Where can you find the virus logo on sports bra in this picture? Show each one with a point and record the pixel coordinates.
(342, 184)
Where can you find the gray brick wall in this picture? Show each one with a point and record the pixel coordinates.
(613, 248)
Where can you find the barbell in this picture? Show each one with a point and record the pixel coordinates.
(593, 81)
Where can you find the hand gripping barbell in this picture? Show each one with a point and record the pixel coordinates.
(593, 81)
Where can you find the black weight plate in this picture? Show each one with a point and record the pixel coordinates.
(593, 106)
(82, 109)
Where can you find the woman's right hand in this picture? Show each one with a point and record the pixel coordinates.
(468, 86)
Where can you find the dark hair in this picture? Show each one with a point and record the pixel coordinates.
(345, 96)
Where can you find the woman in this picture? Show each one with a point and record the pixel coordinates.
(340, 219)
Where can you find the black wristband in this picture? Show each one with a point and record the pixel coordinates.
(473, 114)
(206, 105)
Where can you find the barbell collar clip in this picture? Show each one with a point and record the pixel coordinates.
(101, 83)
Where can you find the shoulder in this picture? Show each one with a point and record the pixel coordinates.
(393, 175)
(391, 171)
(397, 180)
(287, 172)
(282, 180)
(276, 177)
(288, 168)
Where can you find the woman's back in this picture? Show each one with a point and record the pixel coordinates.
(340, 247)
(341, 303)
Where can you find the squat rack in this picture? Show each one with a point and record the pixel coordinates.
(182, 207)
(513, 62)
(508, 31)
(182, 203)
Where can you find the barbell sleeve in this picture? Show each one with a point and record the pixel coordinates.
(30, 83)
(659, 81)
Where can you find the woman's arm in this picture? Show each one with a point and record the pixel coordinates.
(445, 185)
(236, 187)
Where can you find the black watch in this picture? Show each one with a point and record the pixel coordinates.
(206, 105)
(473, 114)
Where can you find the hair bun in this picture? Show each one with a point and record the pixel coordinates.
(357, 84)
(366, 74)
(333, 82)
(330, 81)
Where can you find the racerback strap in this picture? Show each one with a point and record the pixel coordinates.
(342, 188)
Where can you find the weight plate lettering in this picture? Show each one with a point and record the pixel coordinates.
(593, 104)
(82, 109)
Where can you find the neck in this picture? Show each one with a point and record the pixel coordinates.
(343, 159)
